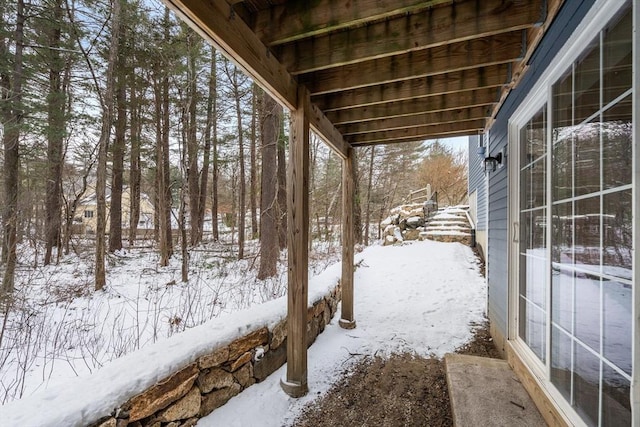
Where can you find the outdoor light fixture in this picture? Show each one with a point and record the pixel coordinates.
(493, 162)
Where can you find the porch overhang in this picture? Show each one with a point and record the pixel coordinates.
(368, 72)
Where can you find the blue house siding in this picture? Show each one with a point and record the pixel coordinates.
(477, 183)
(568, 17)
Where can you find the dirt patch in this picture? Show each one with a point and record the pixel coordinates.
(403, 390)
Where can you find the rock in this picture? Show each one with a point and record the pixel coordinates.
(327, 315)
(217, 358)
(248, 342)
(279, 334)
(415, 222)
(190, 422)
(218, 398)
(186, 407)
(109, 422)
(270, 363)
(312, 330)
(244, 375)
(389, 240)
(235, 365)
(318, 307)
(214, 379)
(397, 234)
(411, 234)
(162, 394)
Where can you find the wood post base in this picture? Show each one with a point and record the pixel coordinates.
(294, 389)
(347, 324)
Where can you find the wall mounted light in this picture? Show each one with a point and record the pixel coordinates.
(492, 162)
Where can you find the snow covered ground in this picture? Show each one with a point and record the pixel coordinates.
(59, 328)
(422, 297)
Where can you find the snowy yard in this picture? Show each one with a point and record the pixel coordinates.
(422, 298)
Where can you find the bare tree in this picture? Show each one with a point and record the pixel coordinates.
(253, 173)
(11, 116)
(103, 145)
(269, 132)
(282, 186)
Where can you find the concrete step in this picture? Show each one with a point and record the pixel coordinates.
(486, 392)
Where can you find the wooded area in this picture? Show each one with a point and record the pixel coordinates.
(105, 105)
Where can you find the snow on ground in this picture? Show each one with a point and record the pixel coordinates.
(422, 297)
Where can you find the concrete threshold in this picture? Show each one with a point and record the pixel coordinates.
(486, 392)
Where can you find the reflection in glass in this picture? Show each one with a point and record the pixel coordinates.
(586, 382)
(587, 82)
(587, 159)
(561, 361)
(587, 310)
(562, 233)
(616, 406)
(617, 236)
(617, 152)
(617, 58)
(562, 298)
(617, 323)
(533, 274)
(586, 223)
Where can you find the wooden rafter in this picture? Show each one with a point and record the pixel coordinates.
(439, 84)
(426, 29)
(410, 107)
(431, 118)
(476, 53)
(418, 133)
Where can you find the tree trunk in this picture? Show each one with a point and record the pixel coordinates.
(357, 206)
(103, 145)
(242, 176)
(12, 117)
(282, 185)
(55, 135)
(269, 133)
(213, 97)
(368, 211)
(135, 173)
(211, 123)
(253, 178)
(192, 171)
(115, 207)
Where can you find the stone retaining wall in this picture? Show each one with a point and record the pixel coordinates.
(208, 383)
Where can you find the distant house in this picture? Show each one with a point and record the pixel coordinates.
(85, 219)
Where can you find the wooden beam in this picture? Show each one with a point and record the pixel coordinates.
(295, 383)
(427, 29)
(476, 53)
(476, 78)
(325, 129)
(295, 20)
(423, 119)
(468, 99)
(347, 319)
(419, 133)
(217, 23)
(431, 137)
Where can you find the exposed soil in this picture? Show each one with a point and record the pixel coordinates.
(403, 390)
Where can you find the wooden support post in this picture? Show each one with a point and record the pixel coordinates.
(295, 384)
(347, 320)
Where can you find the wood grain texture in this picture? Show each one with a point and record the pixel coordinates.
(301, 19)
(215, 21)
(468, 99)
(471, 127)
(439, 84)
(449, 58)
(298, 244)
(422, 119)
(427, 29)
(347, 238)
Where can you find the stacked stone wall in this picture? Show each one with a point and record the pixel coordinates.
(198, 389)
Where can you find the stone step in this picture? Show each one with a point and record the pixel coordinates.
(486, 392)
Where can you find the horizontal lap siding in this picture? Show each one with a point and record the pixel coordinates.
(477, 183)
(569, 16)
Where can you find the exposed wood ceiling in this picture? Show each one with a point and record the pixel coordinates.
(380, 71)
